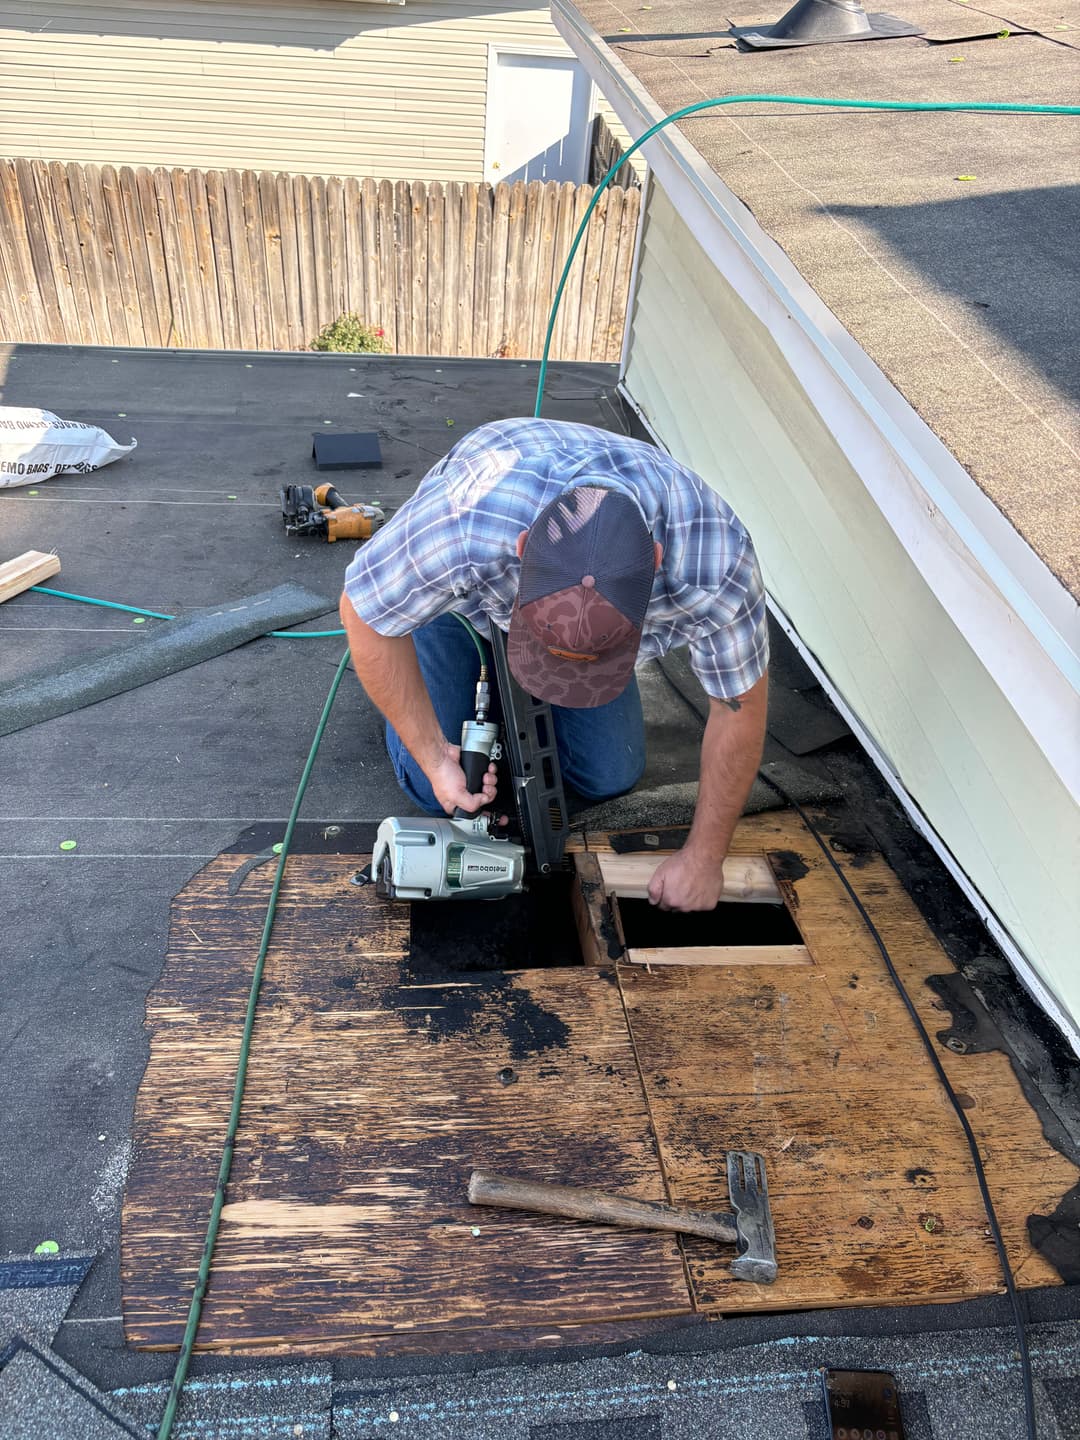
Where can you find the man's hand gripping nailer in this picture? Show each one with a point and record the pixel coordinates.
(459, 857)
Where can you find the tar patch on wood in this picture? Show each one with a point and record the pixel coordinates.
(481, 940)
(1057, 1237)
(488, 1005)
(857, 845)
(788, 865)
(531, 931)
(972, 1031)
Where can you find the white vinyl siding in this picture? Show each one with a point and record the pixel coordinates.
(714, 387)
(341, 87)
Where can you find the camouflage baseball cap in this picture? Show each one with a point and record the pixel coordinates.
(586, 576)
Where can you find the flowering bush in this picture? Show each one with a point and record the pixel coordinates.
(350, 335)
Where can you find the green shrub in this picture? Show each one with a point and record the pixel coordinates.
(349, 334)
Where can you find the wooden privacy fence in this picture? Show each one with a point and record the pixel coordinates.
(236, 259)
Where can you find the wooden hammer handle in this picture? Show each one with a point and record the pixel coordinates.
(576, 1204)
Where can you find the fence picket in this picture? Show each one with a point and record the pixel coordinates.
(388, 317)
(517, 285)
(180, 291)
(606, 272)
(320, 245)
(239, 259)
(305, 249)
(204, 258)
(355, 296)
(530, 300)
(270, 236)
(224, 258)
(67, 227)
(88, 206)
(482, 344)
(435, 236)
(152, 333)
(367, 230)
(564, 235)
(189, 281)
(21, 284)
(620, 282)
(31, 247)
(44, 260)
(123, 304)
(449, 281)
(401, 216)
(290, 263)
(470, 244)
(335, 234)
(418, 291)
(499, 276)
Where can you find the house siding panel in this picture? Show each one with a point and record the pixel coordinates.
(338, 87)
(714, 387)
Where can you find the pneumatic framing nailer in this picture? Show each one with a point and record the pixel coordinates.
(421, 858)
(322, 511)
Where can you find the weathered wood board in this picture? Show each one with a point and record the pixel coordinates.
(30, 568)
(820, 1069)
(372, 1092)
(697, 955)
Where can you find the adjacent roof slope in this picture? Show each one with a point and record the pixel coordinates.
(947, 244)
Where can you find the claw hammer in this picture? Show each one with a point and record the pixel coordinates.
(749, 1228)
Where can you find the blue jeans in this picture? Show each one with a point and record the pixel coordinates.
(601, 751)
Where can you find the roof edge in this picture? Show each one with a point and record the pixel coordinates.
(929, 500)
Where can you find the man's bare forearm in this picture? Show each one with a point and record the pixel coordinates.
(693, 878)
(730, 757)
(390, 673)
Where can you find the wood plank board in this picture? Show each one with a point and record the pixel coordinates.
(820, 1068)
(721, 955)
(373, 1091)
(747, 878)
(29, 568)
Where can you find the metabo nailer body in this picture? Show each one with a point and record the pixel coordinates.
(421, 858)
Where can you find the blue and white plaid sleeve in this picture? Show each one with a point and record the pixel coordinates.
(411, 570)
(732, 658)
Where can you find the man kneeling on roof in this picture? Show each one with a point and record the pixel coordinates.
(595, 553)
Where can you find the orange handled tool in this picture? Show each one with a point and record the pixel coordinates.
(323, 511)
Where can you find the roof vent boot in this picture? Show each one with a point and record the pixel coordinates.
(822, 22)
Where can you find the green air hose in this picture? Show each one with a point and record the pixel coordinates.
(471, 628)
(157, 615)
(976, 106)
(195, 1309)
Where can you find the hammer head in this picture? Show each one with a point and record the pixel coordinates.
(749, 1191)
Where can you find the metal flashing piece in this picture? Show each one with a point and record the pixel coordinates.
(822, 22)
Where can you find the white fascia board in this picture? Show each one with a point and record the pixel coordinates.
(1016, 957)
(1017, 617)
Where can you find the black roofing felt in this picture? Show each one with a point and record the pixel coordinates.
(152, 784)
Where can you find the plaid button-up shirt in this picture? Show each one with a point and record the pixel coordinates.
(452, 545)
